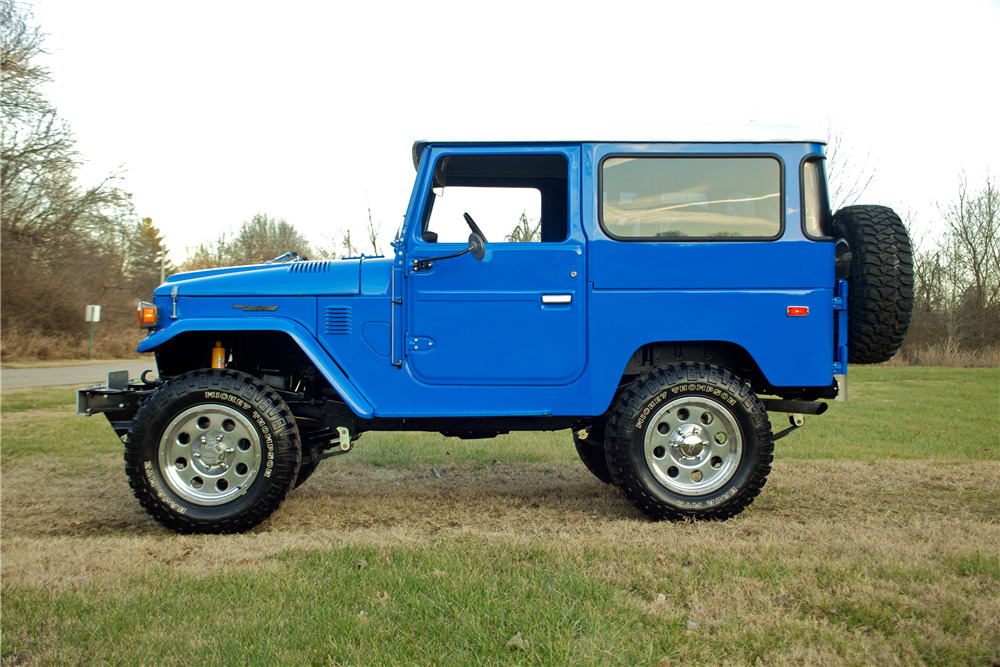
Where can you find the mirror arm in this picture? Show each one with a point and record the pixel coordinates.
(425, 264)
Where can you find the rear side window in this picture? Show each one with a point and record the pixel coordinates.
(703, 198)
(815, 200)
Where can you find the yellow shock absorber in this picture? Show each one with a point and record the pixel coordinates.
(218, 355)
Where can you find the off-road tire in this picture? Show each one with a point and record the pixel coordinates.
(689, 441)
(212, 451)
(880, 285)
(591, 452)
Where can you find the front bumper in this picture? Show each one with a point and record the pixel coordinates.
(118, 400)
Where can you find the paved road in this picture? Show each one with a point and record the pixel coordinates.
(15, 378)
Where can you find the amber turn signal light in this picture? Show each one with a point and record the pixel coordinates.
(146, 315)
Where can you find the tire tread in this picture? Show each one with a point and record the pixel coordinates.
(880, 299)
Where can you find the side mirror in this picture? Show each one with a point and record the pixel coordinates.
(477, 246)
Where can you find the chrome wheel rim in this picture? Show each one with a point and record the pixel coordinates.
(210, 454)
(693, 446)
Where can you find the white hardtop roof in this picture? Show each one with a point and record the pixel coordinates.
(694, 133)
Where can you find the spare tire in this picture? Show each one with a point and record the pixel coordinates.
(880, 281)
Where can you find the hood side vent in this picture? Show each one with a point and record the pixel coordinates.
(337, 321)
(322, 266)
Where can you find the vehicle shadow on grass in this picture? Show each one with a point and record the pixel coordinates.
(58, 501)
(61, 527)
(542, 496)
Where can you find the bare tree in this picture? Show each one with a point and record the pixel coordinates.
(41, 201)
(927, 281)
(20, 75)
(957, 274)
(526, 231)
(325, 247)
(848, 173)
(63, 244)
(347, 245)
(973, 228)
(373, 231)
(258, 240)
(263, 238)
(40, 197)
(208, 255)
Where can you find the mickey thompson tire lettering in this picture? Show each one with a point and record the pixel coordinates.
(212, 451)
(689, 441)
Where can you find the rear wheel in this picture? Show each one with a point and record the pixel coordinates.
(880, 281)
(689, 440)
(212, 451)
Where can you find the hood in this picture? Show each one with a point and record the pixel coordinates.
(321, 278)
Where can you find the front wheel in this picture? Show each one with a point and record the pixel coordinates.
(689, 440)
(212, 451)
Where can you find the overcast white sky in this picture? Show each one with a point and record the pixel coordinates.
(306, 110)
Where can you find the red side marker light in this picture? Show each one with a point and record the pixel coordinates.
(798, 311)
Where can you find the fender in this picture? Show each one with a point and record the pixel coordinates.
(321, 359)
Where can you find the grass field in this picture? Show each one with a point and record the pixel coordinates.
(876, 540)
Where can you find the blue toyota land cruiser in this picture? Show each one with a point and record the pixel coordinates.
(656, 298)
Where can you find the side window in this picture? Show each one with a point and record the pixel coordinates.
(504, 214)
(705, 198)
(512, 198)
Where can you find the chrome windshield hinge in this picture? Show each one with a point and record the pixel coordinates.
(173, 300)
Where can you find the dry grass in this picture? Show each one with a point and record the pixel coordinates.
(62, 363)
(946, 355)
(837, 563)
(61, 523)
(16, 346)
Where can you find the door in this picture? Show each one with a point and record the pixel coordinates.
(518, 316)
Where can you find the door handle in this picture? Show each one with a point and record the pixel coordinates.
(557, 298)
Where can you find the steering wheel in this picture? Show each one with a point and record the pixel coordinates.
(473, 226)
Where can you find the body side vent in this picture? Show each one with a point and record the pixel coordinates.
(337, 321)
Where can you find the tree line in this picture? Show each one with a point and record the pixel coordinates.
(956, 304)
(65, 244)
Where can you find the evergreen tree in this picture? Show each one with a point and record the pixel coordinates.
(148, 261)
